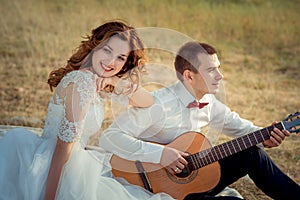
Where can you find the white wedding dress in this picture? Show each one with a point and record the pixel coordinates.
(75, 112)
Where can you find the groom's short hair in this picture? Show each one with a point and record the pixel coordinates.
(187, 57)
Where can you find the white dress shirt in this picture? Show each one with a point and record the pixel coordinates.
(168, 118)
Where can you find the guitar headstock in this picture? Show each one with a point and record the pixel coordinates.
(292, 123)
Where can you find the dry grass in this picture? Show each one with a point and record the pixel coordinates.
(258, 43)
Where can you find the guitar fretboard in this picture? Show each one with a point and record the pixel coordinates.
(208, 156)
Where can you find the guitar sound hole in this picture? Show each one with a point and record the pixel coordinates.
(184, 177)
(184, 173)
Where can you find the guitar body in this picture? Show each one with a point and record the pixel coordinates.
(200, 180)
(202, 173)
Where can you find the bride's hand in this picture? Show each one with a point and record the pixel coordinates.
(101, 82)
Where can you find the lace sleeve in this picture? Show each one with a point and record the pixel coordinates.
(70, 131)
(78, 96)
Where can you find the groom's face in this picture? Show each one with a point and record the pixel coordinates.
(208, 78)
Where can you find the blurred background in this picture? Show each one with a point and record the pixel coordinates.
(258, 43)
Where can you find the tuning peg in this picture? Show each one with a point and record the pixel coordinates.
(295, 130)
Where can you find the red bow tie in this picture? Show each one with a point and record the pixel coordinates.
(196, 104)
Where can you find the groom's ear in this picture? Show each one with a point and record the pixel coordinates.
(187, 75)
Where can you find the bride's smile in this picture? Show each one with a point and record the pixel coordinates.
(109, 60)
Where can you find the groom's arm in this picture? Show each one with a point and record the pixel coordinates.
(125, 136)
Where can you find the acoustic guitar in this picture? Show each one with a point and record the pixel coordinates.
(202, 173)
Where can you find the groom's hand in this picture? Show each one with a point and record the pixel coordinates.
(277, 136)
(173, 160)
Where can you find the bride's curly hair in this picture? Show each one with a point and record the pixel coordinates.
(82, 57)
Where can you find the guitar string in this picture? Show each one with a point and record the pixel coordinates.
(218, 152)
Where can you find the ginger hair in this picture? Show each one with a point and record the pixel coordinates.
(97, 39)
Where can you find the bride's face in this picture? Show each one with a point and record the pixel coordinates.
(109, 60)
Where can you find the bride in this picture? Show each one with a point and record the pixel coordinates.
(56, 165)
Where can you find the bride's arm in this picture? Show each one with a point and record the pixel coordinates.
(60, 157)
(141, 98)
(76, 105)
(138, 98)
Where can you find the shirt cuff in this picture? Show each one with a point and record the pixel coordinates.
(152, 153)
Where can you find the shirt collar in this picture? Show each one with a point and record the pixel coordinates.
(183, 94)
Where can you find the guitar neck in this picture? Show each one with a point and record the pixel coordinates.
(208, 156)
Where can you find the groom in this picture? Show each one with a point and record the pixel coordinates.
(190, 105)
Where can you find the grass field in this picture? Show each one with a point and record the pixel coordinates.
(258, 43)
